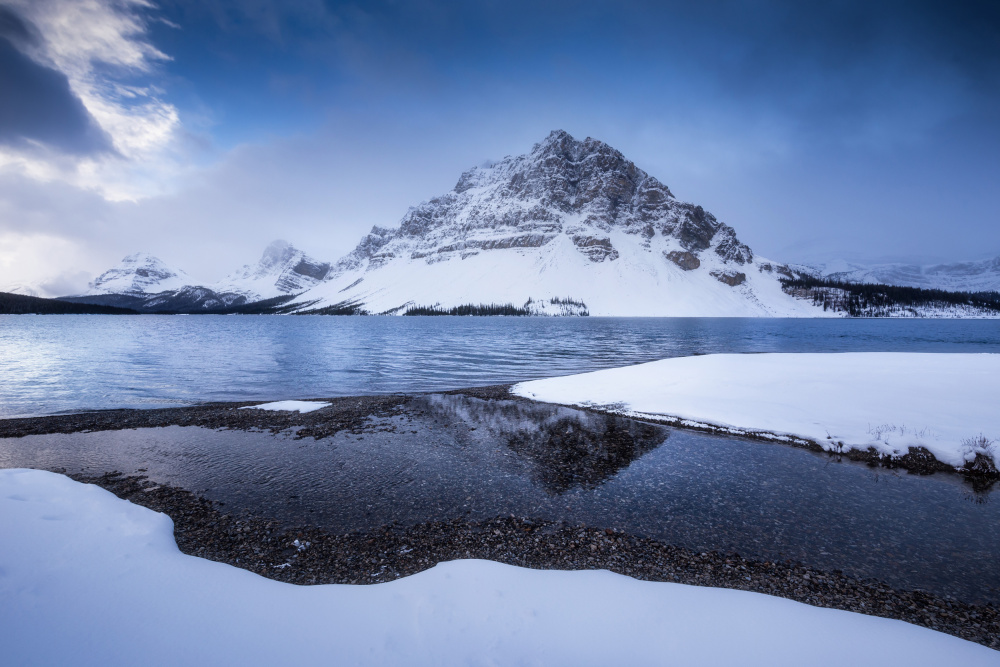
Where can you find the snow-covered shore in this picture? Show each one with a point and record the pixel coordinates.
(88, 578)
(946, 403)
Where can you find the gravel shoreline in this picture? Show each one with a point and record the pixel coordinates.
(311, 556)
(346, 413)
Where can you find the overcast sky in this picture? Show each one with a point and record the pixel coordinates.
(201, 130)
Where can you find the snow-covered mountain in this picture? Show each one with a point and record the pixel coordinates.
(981, 276)
(570, 222)
(282, 269)
(145, 283)
(138, 274)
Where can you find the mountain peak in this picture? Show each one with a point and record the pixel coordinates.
(139, 273)
(277, 252)
(557, 138)
(564, 193)
(563, 144)
(282, 269)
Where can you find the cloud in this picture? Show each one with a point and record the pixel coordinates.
(39, 105)
(89, 66)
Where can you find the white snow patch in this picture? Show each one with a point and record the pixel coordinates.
(73, 548)
(889, 401)
(289, 406)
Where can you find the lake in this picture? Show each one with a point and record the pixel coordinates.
(64, 363)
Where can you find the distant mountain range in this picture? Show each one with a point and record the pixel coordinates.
(571, 228)
(144, 283)
(981, 276)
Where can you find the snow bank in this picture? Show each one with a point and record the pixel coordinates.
(289, 406)
(89, 579)
(889, 401)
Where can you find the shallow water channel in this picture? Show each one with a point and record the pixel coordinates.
(447, 456)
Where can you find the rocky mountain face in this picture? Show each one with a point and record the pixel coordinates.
(581, 189)
(571, 221)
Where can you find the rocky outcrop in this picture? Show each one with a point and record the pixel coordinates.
(684, 259)
(729, 248)
(595, 249)
(731, 278)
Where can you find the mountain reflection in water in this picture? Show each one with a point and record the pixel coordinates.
(565, 448)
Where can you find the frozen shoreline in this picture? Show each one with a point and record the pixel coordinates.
(891, 404)
(81, 548)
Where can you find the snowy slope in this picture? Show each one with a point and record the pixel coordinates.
(138, 274)
(282, 269)
(981, 276)
(91, 579)
(893, 402)
(570, 219)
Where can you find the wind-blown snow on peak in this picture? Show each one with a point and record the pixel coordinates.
(137, 274)
(569, 220)
(282, 269)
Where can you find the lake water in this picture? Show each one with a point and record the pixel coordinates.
(455, 457)
(52, 364)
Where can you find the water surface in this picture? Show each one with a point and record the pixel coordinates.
(62, 363)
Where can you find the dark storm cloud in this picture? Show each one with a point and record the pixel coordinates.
(13, 28)
(37, 102)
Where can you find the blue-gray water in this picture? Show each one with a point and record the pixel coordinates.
(51, 364)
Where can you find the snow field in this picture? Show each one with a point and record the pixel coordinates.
(887, 400)
(89, 579)
(289, 406)
(640, 283)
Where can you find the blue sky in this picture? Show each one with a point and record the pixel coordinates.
(200, 131)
